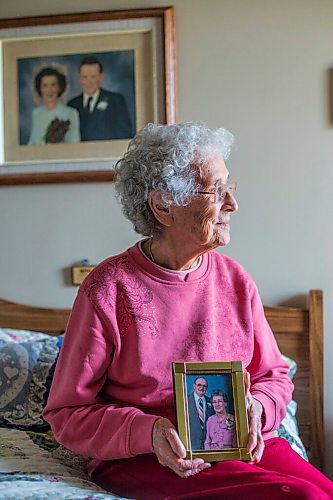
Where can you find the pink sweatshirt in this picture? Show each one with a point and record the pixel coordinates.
(131, 319)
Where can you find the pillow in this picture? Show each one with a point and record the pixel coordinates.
(21, 335)
(27, 362)
(288, 428)
(292, 366)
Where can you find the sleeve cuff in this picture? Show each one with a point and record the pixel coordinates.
(141, 440)
(269, 411)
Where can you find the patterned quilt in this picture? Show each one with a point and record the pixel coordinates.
(34, 466)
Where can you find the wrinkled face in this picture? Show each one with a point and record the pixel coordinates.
(219, 404)
(49, 89)
(200, 387)
(203, 223)
(90, 78)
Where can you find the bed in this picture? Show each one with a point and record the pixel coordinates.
(33, 465)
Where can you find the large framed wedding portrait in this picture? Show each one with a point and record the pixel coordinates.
(77, 87)
(211, 410)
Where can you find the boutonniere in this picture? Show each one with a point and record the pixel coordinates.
(102, 105)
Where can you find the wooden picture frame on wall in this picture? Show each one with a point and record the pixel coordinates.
(137, 51)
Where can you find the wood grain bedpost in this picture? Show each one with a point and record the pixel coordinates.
(316, 377)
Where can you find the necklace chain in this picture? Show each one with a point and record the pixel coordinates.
(154, 261)
(150, 251)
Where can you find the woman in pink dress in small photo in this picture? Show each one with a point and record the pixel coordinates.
(221, 427)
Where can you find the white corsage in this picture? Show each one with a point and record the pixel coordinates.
(102, 105)
(230, 422)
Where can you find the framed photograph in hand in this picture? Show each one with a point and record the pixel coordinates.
(77, 87)
(211, 410)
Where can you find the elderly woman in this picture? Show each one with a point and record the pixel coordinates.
(221, 427)
(170, 298)
(53, 121)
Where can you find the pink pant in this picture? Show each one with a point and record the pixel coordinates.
(281, 474)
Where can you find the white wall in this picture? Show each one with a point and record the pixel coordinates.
(259, 68)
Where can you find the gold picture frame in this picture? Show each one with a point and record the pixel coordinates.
(140, 41)
(230, 440)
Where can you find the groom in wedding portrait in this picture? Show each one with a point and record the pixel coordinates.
(103, 114)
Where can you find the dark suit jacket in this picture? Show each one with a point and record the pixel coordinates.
(198, 433)
(108, 120)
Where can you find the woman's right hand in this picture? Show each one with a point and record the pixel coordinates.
(171, 452)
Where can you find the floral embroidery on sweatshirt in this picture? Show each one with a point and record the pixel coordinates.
(115, 287)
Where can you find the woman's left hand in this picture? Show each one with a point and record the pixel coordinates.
(256, 443)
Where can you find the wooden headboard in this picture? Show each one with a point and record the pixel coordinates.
(299, 333)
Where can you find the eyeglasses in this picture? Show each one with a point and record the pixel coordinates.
(202, 385)
(221, 190)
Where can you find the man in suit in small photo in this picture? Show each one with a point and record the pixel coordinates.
(199, 409)
(103, 114)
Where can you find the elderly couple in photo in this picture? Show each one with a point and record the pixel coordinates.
(211, 426)
(94, 115)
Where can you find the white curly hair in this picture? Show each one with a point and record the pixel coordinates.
(161, 157)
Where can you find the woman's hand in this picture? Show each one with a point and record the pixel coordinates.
(256, 443)
(170, 450)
